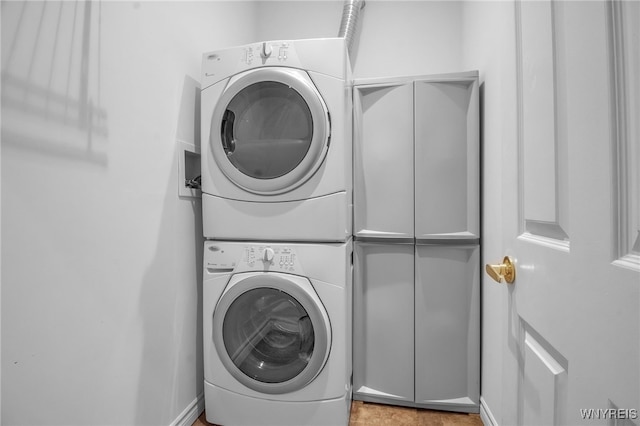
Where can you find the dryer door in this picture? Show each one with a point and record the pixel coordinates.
(271, 331)
(270, 130)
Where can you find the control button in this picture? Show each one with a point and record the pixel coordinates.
(248, 56)
(251, 256)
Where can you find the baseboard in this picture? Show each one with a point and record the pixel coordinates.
(458, 408)
(486, 415)
(191, 413)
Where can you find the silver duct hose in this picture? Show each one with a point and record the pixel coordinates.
(349, 24)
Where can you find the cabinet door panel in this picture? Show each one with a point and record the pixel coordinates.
(447, 318)
(446, 159)
(383, 161)
(383, 321)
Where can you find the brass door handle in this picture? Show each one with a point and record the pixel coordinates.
(505, 271)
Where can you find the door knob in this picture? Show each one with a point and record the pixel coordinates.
(505, 271)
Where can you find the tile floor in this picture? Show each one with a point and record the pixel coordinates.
(364, 413)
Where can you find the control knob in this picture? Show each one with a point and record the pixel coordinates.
(267, 255)
(266, 50)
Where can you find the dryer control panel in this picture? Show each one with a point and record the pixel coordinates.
(321, 55)
(266, 50)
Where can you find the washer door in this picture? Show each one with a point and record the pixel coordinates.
(271, 331)
(270, 130)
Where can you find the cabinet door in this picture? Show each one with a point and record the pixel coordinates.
(383, 160)
(383, 326)
(447, 159)
(447, 321)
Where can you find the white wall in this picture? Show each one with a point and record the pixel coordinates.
(489, 46)
(396, 37)
(282, 20)
(409, 38)
(101, 319)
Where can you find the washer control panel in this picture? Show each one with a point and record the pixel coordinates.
(241, 257)
(272, 258)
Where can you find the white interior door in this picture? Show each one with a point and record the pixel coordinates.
(571, 215)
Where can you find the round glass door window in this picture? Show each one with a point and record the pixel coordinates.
(266, 130)
(271, 334)
(270, 130)
(268, 335)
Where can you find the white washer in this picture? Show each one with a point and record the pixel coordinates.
(277, 333)
(276, 142)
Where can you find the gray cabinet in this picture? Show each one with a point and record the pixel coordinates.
(447, 332)
(416, 227)
(383, 333)
(447, 159)
(383, 165)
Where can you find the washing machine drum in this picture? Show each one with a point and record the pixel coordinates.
(271, 331)
(270, 130)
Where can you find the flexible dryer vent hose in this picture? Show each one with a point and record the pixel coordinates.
(349, 24)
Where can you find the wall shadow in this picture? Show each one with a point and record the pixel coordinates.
(51, 79)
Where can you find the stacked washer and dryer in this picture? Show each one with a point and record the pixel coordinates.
(277, 214)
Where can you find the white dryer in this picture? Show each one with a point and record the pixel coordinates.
(277, 333)
(276, 141)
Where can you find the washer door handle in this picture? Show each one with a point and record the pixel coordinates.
(228, 142)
